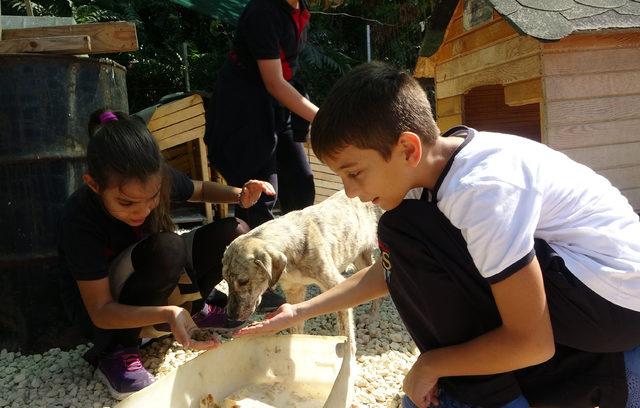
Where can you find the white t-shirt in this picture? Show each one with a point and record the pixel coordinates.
(502, 191)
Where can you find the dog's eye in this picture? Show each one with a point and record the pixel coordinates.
(242, 282)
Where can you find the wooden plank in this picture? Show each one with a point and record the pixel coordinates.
(592, 85)
(321, 168)
(71, 44)
(328, 184)
(447, 122)
(425, 68)
(180, 138)
(203, 163)
(514, 71)
(157, 123)
(503, 51)
(523, 93)
(492, 32)
(592, 110)
(623, 177)
(118, 36)
(449, 106)
(593, 134)
(176, 106)
(180, 128)
(607, 156)
(582, 42)
(591, 61)
(327, 192)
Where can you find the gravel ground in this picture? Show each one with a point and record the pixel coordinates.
(63, 379)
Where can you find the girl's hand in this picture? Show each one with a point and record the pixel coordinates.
(282, 318)
(183, 327)
(252, 190)
(420, 387)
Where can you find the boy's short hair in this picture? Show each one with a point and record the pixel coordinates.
(369, 108)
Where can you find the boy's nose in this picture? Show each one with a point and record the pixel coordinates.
(350, 190)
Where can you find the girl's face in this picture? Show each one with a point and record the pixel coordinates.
(130, 201)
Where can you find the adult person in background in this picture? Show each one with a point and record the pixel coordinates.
(249, 125)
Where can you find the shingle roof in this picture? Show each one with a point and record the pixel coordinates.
(555, 19)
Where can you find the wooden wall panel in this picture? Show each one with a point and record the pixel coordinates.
(591, 61)
(514, 71)
(592, 89)
(575, 112)
(326, 181)
(608, 156)
(500, 53)
(624, 178)
(594, 41)
(633, 195)
(592, 85)
(593, 134)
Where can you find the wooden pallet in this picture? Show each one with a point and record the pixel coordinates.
(178, 127)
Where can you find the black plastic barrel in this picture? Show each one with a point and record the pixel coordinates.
(45, 103)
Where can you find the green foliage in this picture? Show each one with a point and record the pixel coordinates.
(336, 42)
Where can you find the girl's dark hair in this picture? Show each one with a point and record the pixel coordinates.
(369, 108)
(124, 149)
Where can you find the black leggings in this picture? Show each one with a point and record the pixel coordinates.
(154, 267)
(290, 174)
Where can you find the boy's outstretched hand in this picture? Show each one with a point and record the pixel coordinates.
(252, 190)
(282, 318)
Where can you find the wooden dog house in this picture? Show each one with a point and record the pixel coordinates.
(563, 72)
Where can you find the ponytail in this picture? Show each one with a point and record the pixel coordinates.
(121, 148)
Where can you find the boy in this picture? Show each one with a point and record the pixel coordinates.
(515, 269)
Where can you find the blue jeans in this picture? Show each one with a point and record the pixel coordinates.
(632, 366)
(448, 402)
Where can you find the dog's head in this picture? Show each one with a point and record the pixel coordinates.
(250, 266)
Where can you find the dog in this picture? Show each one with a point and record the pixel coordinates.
(309, 246)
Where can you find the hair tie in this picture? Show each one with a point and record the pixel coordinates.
(107, 116)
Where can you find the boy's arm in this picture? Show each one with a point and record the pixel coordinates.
(525, 337)
(364, 285)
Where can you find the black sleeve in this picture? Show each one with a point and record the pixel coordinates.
(181, 186)
(261, 32)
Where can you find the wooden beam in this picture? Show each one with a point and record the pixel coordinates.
(119, 36)
(523, 93)
(514, 71)
(449, 106)
(71, 44)
(582, 42)
(425, 68)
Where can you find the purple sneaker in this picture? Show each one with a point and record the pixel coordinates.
(214, 317)
(122, 372)
(210, 316)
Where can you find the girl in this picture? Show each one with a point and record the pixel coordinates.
(116, 241)
(258, 103)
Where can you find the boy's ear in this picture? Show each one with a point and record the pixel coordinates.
(88, 180)
(411, 147)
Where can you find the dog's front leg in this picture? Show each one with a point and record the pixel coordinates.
(345, 327)
(295, 293)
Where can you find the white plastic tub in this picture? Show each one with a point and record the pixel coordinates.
(300, 371)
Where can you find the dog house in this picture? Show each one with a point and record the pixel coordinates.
(562, 72)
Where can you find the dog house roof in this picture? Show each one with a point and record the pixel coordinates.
(555, 19)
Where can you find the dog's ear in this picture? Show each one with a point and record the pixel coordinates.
(278, 262)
